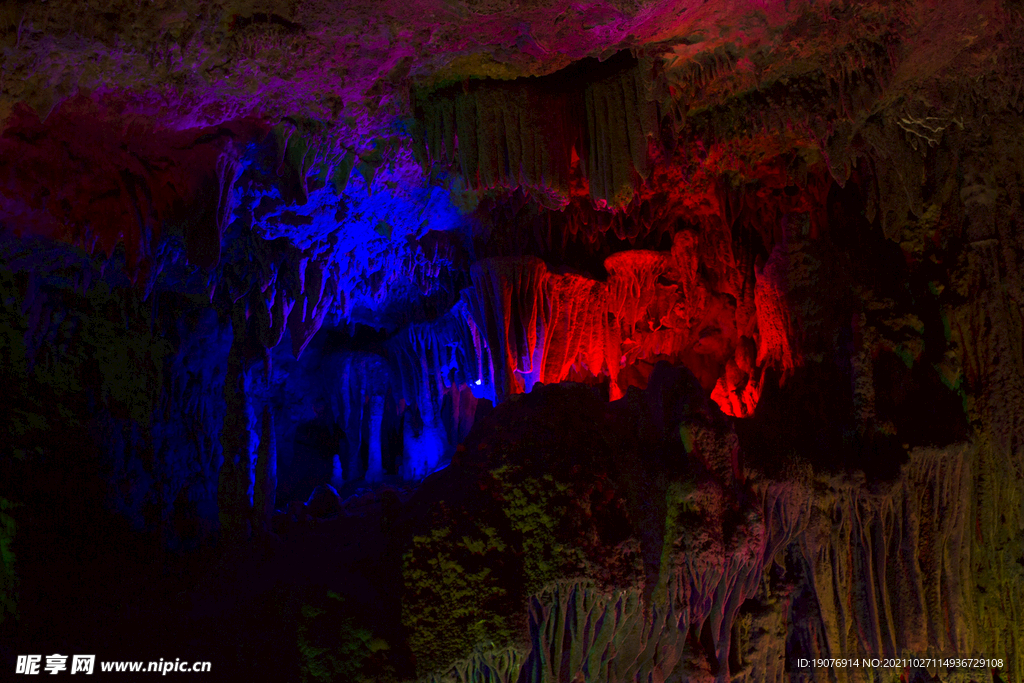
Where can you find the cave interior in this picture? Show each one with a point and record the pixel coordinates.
(482, 341)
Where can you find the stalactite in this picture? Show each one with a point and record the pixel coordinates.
(431, 363)
(773, 315)
(264, 493)
(361, 379)
(375, 466)
(619, 119)
(413, 390)
(892, 573)
(271, 310)
(709, 572)
(987, 335)
(862, 369)
(508, 135)
(236, 472)
(315, 298)
(866, 575)
(203, 237)
(546, 327)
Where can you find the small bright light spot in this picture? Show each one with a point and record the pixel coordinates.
(477, 382)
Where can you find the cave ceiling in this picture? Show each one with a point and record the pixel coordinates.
(653, 164)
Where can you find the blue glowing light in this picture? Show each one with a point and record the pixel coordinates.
(373, 233)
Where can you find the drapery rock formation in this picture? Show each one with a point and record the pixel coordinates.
(488, 341)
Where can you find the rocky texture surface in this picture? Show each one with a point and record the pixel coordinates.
(250, 249)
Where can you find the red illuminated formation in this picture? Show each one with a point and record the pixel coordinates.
(548, 327)
(706, 303)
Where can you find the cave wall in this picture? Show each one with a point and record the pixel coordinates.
(688, 338)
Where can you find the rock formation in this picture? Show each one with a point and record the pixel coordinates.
(481, 341)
